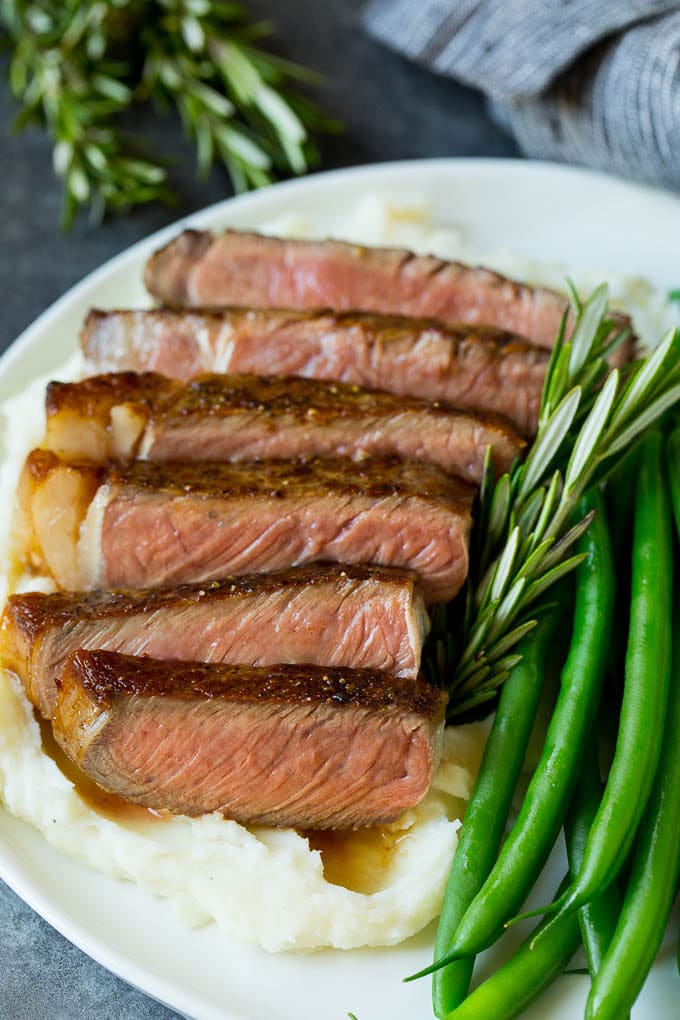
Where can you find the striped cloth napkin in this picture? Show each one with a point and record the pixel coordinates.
(595, 82)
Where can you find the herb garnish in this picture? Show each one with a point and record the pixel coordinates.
(76, 66)
(590, 417)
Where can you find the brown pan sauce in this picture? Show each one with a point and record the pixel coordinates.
(357, 859)
(108, 805)
(354, 859)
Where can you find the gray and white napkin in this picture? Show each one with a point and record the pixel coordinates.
(595, 82)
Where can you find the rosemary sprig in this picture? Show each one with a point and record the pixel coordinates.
(589, 418)
(76, 66)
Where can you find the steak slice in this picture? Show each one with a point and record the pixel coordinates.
(324, 614)
(275, 745)
(245, 417)
(471, 367)
(154, 524)
(198, 268)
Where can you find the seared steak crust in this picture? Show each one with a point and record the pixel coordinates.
(351, 616)
(471, 367)
(94, 396)
(236, 268)
(106, 674)
(281, 745)
(176, 522)
(374, 478)
(221, 417)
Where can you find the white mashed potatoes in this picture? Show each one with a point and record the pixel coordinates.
(263, 885)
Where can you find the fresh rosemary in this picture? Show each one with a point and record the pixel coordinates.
(590, 417)
(76, 66)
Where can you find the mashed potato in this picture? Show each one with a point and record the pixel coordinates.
(261, 885)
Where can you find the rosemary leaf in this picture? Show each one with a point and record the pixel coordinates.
(559, 550)
(590, 418)
(643, 378)
(76, 66)
(589, 319)
(548, 579)
(529, 513)
(504, 566)
(621, 443)
(548, 442)
(552, 496)
(591, 432)
(512, 638)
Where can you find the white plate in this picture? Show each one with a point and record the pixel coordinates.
(585, 220)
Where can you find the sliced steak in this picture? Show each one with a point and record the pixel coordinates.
(220, 417)
(153, 524)
(235, 268)
(325, 614)
(471, 367)
(279, 745)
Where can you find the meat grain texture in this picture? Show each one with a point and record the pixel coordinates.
(310, 747)
(476, 368)
(202, 269)
(155, 524)
(353, 616)
(127, 415)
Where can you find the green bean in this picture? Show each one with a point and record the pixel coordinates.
(522, 979)
(645, 687)
(517, 983)
(674, 474)
(674, 479)
(487, 811)
(654, 874)
(598, 918)
(620, 498)
(542, 813)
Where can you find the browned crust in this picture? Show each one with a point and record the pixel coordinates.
(214, 394)
(31, 612)
(39, 466)
(95, 396)
(106, 676)
(375, 478)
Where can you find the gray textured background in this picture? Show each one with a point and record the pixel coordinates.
(391, 110)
